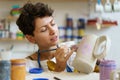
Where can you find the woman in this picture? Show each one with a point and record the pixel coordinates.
(38, 25)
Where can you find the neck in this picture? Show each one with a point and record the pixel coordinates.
(46, 56)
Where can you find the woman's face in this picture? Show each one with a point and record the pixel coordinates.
(46, 32)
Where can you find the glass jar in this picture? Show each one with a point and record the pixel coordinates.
(18, 69)
(106, 67)
(5, 70)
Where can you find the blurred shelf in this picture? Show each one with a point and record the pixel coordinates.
(10, 39)
(12, 18)
(102, 26)
(104, 23)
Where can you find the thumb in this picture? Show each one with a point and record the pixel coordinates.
(70, 53)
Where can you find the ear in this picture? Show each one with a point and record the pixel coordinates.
(30, 38)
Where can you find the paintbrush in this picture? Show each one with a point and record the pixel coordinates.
(42, 51)
(56, 78)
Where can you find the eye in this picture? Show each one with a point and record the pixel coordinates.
(52, 24)
(43, 29)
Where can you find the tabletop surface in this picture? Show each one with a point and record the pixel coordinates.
(64, 76)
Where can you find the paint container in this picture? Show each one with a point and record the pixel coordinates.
(116, 6)
(108, 6)
(99, 7)
(69, 29)
(81, 27)
(106, 67)
(61, 33)
(18, 69)
(69, 33)
(5, 68)
(75, 34)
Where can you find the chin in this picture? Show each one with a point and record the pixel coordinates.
(55, 43)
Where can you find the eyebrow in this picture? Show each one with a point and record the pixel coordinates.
(49, 22)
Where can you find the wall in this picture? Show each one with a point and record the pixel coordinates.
(61, 8)
(112, 32)
(76, 10)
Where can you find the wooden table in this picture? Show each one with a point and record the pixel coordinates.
(64, 76)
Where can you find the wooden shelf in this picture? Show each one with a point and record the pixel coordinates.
(102, 26)
(12, 18)
(10, 39)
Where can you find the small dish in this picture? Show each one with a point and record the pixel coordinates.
(36, 70)
(40, 79)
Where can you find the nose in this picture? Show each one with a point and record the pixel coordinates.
(51, 30)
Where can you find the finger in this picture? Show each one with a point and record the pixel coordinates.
(66, 49)
(62, 49)
(59, 53)
(70, 53)
(75, 47)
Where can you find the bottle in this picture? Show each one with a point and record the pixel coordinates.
(99, 7)
(69, 29)
(61, 33)
(116, 6)
(81, 28)
(108, 6)
(19, 35)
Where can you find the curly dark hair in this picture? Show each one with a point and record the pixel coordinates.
(29, 12)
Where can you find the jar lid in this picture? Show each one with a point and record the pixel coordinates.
(18, 61)
(36, 70)
(40, 79)
(4, 62)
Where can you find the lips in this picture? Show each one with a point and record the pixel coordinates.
(54, 39)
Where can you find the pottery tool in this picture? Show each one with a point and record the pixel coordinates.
(56, 78)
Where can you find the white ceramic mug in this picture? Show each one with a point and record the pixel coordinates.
(87, 53)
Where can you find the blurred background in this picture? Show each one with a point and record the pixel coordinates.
(75, 18)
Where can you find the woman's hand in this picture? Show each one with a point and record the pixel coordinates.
(62, 55)
(75, 47)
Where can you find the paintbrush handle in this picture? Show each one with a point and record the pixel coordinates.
(42, 51)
